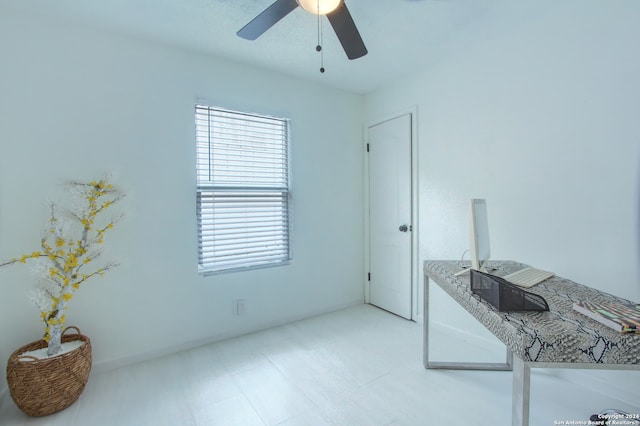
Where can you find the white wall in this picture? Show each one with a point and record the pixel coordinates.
(553, 81)
(76, 102)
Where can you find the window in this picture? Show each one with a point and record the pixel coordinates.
(243, 190)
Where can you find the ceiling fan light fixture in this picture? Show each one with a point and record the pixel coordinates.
(319, 7)
(337, 14)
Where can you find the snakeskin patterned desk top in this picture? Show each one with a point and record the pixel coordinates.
(561, 335)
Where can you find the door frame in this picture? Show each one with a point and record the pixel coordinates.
(416, 315)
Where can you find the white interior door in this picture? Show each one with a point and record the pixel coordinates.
(390, 224)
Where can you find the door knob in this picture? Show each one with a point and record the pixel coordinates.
(403, 228)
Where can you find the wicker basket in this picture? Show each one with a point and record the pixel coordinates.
(40, 387)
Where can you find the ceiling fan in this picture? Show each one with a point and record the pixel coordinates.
(335, 10)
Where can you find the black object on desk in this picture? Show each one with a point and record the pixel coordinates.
(503, 295)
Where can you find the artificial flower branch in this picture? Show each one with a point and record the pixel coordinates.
(68, 256)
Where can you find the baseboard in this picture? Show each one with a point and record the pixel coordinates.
(113, 364)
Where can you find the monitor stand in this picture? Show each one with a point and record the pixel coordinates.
(464, 271)
(467, 269)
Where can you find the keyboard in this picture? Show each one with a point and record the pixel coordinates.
(528, 277)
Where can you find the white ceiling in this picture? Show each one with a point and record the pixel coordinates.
(401, 35)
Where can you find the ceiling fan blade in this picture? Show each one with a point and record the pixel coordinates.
(347, 33)
(267, 19)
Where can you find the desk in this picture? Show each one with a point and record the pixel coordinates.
(560, 338)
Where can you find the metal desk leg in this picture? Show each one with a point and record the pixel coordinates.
(493, 366)
(521, 393)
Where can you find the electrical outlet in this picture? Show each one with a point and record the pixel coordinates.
(239, 306)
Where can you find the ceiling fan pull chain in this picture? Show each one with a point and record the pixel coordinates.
(320, 40)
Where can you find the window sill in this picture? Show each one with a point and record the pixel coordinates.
(207, 272)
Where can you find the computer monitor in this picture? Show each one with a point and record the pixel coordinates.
(479, 235)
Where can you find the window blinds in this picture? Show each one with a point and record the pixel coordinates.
(243, 189)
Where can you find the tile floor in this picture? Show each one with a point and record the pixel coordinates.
(358, 366)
